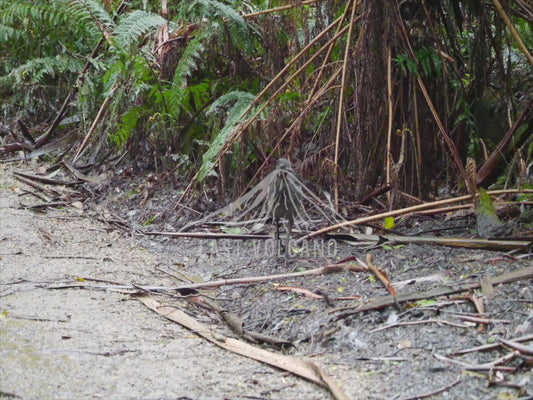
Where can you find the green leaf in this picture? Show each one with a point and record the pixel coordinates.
(241, 103)
(390, 223)
(135, 25)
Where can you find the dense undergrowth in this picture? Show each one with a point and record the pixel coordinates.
(357, 95)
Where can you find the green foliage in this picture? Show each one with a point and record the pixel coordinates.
(428, 63)
(184, 99)
(40, 47)
(177, 93)
(93, 11)
(239, 103)
(136, 24)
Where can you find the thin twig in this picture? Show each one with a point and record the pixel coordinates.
(435, 392)
(426, 321)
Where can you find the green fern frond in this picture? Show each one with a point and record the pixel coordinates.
(135, 25)
(200, 10)
(239, 102)
(91, 10)
(220, 16)
(10, 34)
(186, 66)
(36, 70)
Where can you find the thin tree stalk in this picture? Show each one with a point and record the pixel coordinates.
(281, 8)
(488, 166)
(341, 107)
(418, 143)
(328, 54)
(388, 158)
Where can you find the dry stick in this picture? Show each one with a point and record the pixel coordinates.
(513, 31)
(427, 321)
(45, 179)
(388, 158)
(393, 213)
(483, 321)
(381, 302)
(281, 8)
(38, 186)
(481, 367)
(435, 392)
(401, 211)
(208, 235)
(341, 106)
(305, 369)
(329, 269)
(263, 92)
(528, 350)
(489, 347)
(380, 275)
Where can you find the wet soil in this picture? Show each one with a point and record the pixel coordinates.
(77, 343)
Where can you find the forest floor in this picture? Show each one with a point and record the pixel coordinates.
(69, 329)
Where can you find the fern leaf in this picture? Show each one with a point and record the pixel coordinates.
(186, 66)
(92, 10)
(37, 69)
(135, 25)
(241, 103)
(220, 15)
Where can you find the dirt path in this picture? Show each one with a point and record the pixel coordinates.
(76, 344)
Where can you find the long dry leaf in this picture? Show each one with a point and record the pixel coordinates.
(305, 369)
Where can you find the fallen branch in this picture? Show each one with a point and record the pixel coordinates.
(304, 369)
(491, 366)
(329, 269)
(517, 346)
(487, 244)
(208, 235)
(402, 211)
(435, 392)
(376, 304)
(44, 179)
(382, 276)
(483, 321)
(426, 321)
(489, 347)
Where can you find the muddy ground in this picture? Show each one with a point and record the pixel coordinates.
(59, 342)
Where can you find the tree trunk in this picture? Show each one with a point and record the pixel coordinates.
(369, 135)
